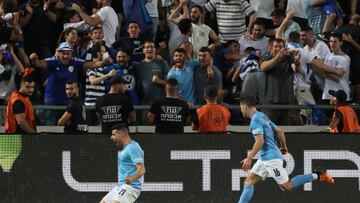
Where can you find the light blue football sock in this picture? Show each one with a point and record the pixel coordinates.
(300, 180)
(246, 194)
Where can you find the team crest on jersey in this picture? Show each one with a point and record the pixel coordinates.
(71, 68)
(130, 80)
(137, 42)
(88, 57)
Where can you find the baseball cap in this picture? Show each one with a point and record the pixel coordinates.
(117, 80)
(339, 94)
(64, 46)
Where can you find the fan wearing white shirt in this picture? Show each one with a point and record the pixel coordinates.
(308, 62)
(201, 33)
(106, 17)
(263, 10)
(298, 7)
(258, 40)
(319, 49)
(339, 60)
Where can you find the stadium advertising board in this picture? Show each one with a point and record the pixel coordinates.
(179, 168)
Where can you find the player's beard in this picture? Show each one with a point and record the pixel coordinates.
(121, 146)
(122, 63)
(195, 20)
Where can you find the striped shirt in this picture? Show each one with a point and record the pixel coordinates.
(93, 92)
(315, 15)
(230, 17)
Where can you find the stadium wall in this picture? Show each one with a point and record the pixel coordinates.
(179, 168)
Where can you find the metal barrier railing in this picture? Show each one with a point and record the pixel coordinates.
(146, 107)
(231, 107)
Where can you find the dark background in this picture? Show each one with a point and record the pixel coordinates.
(37, 173)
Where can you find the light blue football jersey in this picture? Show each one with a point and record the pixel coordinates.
(261, 125)
(131, 155)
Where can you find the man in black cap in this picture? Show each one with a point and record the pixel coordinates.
(115, 107)
(344, 118)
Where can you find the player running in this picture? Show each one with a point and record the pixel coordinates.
(270, 161)
(131, 168)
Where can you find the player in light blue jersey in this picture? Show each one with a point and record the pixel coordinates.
(131, 168)
(270, 161)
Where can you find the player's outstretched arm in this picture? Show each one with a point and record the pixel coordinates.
(140, 171)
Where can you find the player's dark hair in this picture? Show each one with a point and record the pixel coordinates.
(172, 82)
(120, 127)
(149, 41)
(248, 50)
(259, 22)
(294, 37)
(68, 30)
(185, 26)
(68, 15)
(180, 50)
(198, 7)
(123, 50)
(306, 28)
(132, 22)
(211, 91)
(96, 28)
(205, 49)
(71, 81)
(337, 35)
(278, 40)
(186, 42)
(248, 100)
(228, 43)
(27, 78)
(171, 87)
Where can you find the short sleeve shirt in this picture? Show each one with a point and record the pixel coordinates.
(58, 74)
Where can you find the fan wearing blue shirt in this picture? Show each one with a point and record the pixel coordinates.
(125, 69)
(61, 68)
(131, 168)
(184, 73)
(270, 161)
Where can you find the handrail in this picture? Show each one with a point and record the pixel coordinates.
(146, 107)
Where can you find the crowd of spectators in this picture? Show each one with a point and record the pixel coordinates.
(279, 51)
